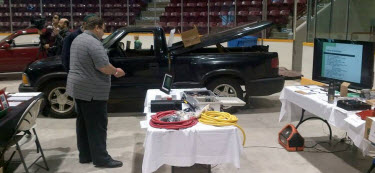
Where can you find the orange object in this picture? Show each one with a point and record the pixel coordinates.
(290, 139)
(366, 113)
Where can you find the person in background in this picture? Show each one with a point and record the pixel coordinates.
(89, 83)
(137, 43)
(65, 53)
(48, 37)
(62, 33)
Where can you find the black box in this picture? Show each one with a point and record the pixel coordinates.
(351, 105)
(165, 105)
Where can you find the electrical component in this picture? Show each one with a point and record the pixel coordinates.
(169, 120)
(290, 139)
(165, 105)
(351, 105)
(216, 118)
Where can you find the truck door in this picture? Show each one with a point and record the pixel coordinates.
(140, 64)
(23, 50)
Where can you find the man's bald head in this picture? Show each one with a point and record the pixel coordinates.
(63, 23)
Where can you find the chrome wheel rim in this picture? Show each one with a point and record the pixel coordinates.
(225, 90)
(60, 101)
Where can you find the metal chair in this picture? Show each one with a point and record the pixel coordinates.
(23, 135)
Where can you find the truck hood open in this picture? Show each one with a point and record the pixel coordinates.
(221, 37)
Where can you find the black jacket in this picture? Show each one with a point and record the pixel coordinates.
(65, 54)
(58, 45)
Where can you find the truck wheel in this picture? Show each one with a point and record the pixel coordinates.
(226, 87)
(59, 104)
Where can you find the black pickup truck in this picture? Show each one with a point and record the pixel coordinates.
(226, 71)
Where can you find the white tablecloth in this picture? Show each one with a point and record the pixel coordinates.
(201, 143)
(317, 105)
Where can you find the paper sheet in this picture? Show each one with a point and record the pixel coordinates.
(28, 94)
(12, 104)
(19, 98)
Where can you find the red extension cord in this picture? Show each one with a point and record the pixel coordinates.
(155, 121)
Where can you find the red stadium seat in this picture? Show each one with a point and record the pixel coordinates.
(274, 13)
(284, 12)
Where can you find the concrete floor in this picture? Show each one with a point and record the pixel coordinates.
(262, 153)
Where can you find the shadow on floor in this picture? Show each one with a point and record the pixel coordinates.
(323, 151)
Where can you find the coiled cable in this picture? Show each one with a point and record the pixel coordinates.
(216, 118)
(157, 123)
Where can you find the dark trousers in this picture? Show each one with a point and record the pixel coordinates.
(92, 121)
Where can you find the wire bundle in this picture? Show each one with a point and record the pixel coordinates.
(216, 118)
(157, 123)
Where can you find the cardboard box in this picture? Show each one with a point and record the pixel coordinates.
(370, 129)
(190, 37)
(306, 81)
(344, 89)
(371, 102)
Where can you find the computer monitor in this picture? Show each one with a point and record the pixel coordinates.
(344, 61)
(167, 83)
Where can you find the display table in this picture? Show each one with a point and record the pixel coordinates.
(203, 144)
(9, 122)
(315, 103)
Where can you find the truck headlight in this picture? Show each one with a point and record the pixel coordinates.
(25, 80)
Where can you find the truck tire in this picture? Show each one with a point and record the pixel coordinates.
(226, 87)
(58, 103)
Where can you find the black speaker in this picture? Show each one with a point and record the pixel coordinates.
(165, 105)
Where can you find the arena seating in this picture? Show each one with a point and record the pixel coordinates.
(218, 14)
(222, 12)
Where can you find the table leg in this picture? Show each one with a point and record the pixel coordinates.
(325, 121)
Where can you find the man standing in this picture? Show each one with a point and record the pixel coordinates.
(89, 82)
(65, 53)
(62, 33)
(47, 39)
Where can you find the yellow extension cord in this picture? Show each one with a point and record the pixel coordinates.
(216, 118)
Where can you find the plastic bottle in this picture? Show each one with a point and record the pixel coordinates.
(331, 92)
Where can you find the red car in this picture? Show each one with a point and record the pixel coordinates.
(18, 50)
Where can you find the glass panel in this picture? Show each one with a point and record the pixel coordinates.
(138, 44)
(83, 8)
(361, 21)
(248, 12)
(4, 17)
(150, 12)
(56, 7)
(135, 9)
(281, 12)
(218, 18)
(338, 23)
(323, 19)
(22, 10)
(311, 21)
(114, 14)
(167, 8)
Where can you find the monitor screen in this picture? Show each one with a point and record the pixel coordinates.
(344, 61)
(167, 83)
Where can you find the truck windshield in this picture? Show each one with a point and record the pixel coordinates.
(7, 38)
